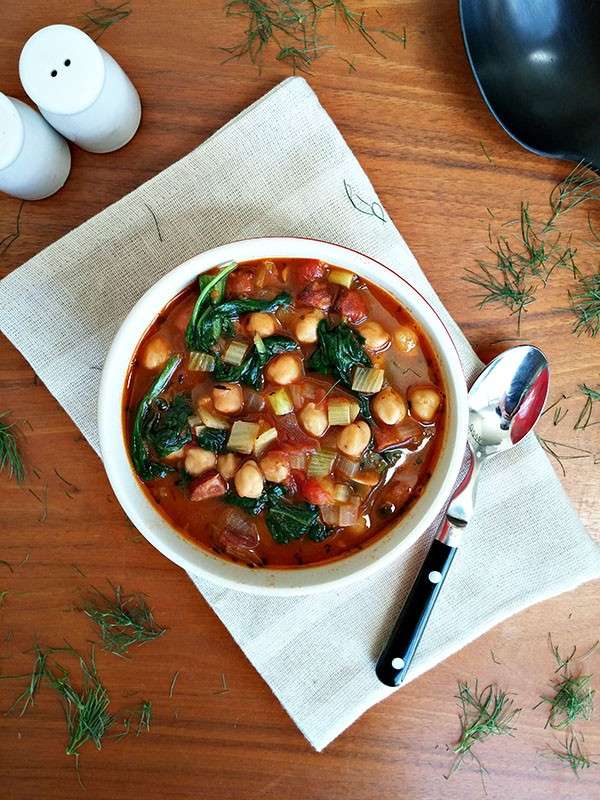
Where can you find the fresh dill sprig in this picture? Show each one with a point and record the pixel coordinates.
(581, 184)
(293, 27)
(572, 698)
(124, 620)
(144, 717)
(591, 396)
(173, 682)
(12, 237)
(572, 452)
(585, 305)
(482, 714)
(571, 753)
(99, 19)
(27, 697)
(86, 711)
(10, 455)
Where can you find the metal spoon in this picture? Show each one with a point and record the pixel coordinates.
(505, 402)
(537, 65)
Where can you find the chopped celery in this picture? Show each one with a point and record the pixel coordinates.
(320, 463)
(235, 353)
(338, 411)
(242, 437)
(259, 344)
(212, 420)
(264, 440)
(354, 410)
(195, 424)
(367, 380)
(281, 402)
(341, 492)
(201, 362)
(342, 277)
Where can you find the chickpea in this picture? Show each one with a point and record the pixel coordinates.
(283, 369)
(249, 480)
(198, 461)
(228, 398)
(353, 439)
(306, 327)
(156, 353)
(389, 406)
(405, 339)
(376, 336)
(261, 323)
(228, 465)
(424, 402)
(275, 466)
(314, 419)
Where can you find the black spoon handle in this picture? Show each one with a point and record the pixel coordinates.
(398, 653)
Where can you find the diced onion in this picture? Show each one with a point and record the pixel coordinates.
(235, 353)
(201, 362)
(347, 466)
(242, 437)
(298, 459)
(281, 402)
(289, 427)
(253, 401)
(264, 440)
(341, 276)
(320, 463)
(338, 411)
(367, 380)
(349, 513)
(331, 515)
(196, 425)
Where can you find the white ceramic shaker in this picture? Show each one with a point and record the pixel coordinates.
(79, 88)
(34, 160)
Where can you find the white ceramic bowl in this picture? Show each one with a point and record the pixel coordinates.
(284, 581)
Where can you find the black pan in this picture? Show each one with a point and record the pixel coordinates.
(537, 65)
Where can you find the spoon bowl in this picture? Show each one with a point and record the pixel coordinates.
(537, 65)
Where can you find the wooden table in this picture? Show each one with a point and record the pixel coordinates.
(419, 127)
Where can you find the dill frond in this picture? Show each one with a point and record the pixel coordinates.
(571, 753)
(99, 19)
(591, 396)
(124, 620)
(482, 714)
(144, 717)
(581, 184)
(27, 697)
(173, 682)
(572, 699)
(11, 459)
(585, 305)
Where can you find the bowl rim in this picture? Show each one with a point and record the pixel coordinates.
(197, 561)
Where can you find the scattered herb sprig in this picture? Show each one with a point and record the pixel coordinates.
(482, 713)
(293, 28)
(123, 620)
(11, 459)
(585, 305)
(572, 699)
(99, 19)
(571, 754)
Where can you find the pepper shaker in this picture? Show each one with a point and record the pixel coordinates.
(79, 88)
(34, 160)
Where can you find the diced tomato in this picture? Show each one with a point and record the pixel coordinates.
(310, 270)
(204, 487)
(240, 282)
(317, 294)
(314, 492)
(351, 305)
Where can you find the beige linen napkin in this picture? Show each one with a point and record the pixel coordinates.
(281, 167)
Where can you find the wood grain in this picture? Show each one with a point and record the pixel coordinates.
(416, 123)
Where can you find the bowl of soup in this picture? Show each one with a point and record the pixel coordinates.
(282, 415)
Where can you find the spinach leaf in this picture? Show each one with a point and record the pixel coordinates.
(213, 439)
(338, 351)
(203, 303)
(217, 320)
(288, 521)
(272, 492)
(145, 467)
(364, 404)
(249, 372)
(166, 426)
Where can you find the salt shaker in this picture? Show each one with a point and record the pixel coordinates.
(34, 160)
(79, 88)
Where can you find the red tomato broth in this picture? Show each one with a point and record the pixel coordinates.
(201, 522)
